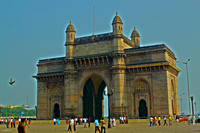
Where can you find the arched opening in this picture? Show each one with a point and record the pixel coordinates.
(93, 95)
(56, 111)
(142, 109)
(141, 91)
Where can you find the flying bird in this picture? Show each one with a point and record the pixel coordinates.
(11, 82)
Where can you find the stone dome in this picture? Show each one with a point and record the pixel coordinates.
(117, 19)
(135, 33)
(70, 27)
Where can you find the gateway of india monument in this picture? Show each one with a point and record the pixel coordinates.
(142, 80)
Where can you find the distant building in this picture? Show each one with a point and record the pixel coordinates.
(15, 106)
(12, 106)
(25, 106)
(144, 79)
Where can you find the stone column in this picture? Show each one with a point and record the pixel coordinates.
(70, 99)
(176, 99)
(42, 100)
(70, 94)
(118, 99)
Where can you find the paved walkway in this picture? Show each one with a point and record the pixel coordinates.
(134, 126)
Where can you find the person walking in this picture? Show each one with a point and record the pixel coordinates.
(11, 122)
(85, 122)
(170, 119)
(74, 125)
(69, 127)
(165, 120)
(71, 122)
(89, 119)
(54, 121)
(96, 123)
(103, 125)
(113, 122)
(7, 123)
(58, 121)
(193, 120)
(177, 119)
(19, 120)
(76, 119)
(156, 120)
(151, 121)
(21, 126)
(159, 119)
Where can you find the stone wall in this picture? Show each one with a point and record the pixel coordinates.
(92, 48)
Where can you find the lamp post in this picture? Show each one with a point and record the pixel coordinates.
(109, 124)
(187, 82)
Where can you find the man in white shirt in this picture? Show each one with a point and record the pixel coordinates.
(76, 119)
(19, 120)
(71, 124)
(85, 122)
(54, 121)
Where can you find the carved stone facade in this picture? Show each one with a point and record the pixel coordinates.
(144, 79)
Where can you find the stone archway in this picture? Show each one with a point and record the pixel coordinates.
(143, 109)
(93, 97)
(56, 111)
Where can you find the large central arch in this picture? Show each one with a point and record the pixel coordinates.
(93, 97)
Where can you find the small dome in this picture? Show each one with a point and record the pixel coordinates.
(135, 33)
(70, 27)
(117, 19)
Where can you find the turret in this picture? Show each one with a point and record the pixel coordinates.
(117, 25)
(135, 38)
(70, 34)
(70, 37)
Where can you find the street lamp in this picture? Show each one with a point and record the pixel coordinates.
(109, 124)
(187, 81)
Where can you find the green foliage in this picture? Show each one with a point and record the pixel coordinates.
(17, 111)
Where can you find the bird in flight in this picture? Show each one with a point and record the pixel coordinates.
(11, 82)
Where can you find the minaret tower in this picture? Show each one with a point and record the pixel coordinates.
(135, 38)
(70, 37)
(117, 25)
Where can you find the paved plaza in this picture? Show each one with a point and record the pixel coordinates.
(134, 126)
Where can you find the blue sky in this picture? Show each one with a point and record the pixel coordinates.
(34, 30)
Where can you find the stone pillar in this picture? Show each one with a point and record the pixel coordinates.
(42, 100)
(70, 106)
(70, 94)
(118, 99)
(176, 99)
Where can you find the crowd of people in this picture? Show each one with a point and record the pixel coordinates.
(100, 124)
(123, 120)
(154, 120)
(12, 122)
